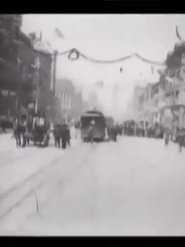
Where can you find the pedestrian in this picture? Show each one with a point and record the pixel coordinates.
(114, 133)
(57, 135)
(17, 131)
(3, 127)
(64, 136)
(24, 130)
(68, 133)
(146, 128)
(91, 131)
(109, 132)
(167, 125)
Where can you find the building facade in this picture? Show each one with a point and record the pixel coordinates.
(169, 92)
(23, 84)
(69, 100)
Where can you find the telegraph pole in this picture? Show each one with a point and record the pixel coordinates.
(37, 77)
(54, 69)
(53, 82)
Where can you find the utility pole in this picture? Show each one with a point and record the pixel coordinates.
(54, 69)
(37, 78)
(17, 103)
(53, 81)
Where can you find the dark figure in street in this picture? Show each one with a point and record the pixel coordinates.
(23, 130)
(57, 135)
(114, 133)
(3, 127)
(109, 132)
(142, 133)
(29, 130)
(68, 136)
(65, 135)
(19, 131)
(91, 132)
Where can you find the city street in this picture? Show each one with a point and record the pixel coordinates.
(132, 187)
(70, 78)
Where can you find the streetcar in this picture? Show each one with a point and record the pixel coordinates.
(99, 130)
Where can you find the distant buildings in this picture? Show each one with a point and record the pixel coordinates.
(93, 101)
(149, 102)
(69, 102)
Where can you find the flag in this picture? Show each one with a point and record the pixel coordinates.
(177, 33)
(59, 33)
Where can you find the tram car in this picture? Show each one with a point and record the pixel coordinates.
(99, 130)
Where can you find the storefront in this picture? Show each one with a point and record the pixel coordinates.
(178, 114)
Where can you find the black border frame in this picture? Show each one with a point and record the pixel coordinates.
(93, 7)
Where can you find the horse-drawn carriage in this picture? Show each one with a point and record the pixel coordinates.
(29, 129)
(39, 136)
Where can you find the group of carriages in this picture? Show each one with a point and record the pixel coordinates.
(36, 130)
(31, 129)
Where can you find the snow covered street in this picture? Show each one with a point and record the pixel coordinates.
(132, 187)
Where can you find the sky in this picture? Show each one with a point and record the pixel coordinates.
(108, 36)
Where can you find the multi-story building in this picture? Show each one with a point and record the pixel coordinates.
(22, 82)
(175, 81)
(147, 102)
(10, 36)
(69, 100)
(137, 105)
(169, 91)
(33, 85)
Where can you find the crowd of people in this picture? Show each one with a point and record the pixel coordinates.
(143, 128)
(113, 131)
(36, 129)
(62, 135)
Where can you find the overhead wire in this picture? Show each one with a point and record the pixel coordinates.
(118, 60)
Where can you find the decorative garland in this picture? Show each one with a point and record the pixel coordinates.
(147, 60)
(75, 54)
